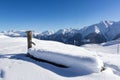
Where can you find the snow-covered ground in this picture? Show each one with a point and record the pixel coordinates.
(109, 52)
(14, 65)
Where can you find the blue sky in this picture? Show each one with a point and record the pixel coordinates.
(41, 15)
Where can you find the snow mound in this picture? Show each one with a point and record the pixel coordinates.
(77, 58)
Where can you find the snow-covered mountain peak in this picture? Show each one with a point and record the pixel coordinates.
(61, 31)
(47, 33)
(107, 23)
(67, 30)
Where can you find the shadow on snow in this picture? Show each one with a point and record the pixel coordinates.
(66, 72)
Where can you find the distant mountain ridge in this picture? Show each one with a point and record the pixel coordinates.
(96, 33)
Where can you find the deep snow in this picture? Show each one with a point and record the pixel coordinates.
(109, 52)
(14, 65)
(80, 61)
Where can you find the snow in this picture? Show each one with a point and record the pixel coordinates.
(97, 29)
(13, 33)
(111, 42)
(81, 62)
(108, 52)
(90, 29)
(14, 65)
(107, 23)
(63, 31)
(47, 33)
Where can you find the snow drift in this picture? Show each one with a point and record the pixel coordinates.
(76, 58)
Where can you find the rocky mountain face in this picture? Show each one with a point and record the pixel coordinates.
(97, 33)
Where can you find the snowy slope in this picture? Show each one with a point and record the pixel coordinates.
(14, 65)
(109, 52)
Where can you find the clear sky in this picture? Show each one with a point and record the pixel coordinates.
(43, 15)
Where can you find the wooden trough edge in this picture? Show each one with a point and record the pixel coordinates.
(46, 61)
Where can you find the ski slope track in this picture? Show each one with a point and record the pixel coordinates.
(84, 64)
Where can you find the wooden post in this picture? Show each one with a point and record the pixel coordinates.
(29, 39)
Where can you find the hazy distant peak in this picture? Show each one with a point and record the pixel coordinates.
(63, 31)
(47, 33)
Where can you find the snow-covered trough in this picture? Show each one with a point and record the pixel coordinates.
(43, 59)
(68, 56)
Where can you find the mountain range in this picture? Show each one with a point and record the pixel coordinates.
(97, 33)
